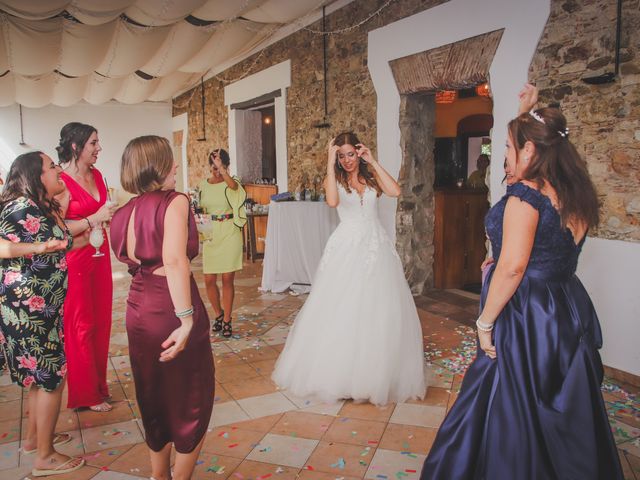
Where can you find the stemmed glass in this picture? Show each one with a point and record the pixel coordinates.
(96, 239)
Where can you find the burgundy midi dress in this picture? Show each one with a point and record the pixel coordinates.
(175, 397)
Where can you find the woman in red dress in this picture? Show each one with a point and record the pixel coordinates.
(87, 308)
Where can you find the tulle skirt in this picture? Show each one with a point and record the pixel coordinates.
(358, 334)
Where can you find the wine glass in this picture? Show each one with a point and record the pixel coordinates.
(96, 239)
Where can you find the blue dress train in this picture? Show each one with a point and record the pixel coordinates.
(536, 412)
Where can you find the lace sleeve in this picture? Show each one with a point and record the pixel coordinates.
(527, 194)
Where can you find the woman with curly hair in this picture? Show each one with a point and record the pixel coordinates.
(33, 272)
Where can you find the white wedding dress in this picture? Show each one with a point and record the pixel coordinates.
(358, 334)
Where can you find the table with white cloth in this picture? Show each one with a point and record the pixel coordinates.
(296, 235)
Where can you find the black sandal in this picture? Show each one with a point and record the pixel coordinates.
(226, 329)
(217, 323)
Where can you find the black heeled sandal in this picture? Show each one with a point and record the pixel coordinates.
(217, 323)
(226, 329)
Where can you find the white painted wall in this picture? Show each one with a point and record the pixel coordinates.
(606, 266)
(277, 77)
(116, 125)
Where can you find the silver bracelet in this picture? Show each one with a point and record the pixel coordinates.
(484, 327)
(185, 313)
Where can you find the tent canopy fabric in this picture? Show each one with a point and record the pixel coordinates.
(61, 52)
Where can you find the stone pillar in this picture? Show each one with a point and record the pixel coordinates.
(415, 214)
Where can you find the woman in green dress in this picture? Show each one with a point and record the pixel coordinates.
(222, 198)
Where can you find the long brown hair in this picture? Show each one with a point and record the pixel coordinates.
(24, 180)
(557, 162)
(349, 138)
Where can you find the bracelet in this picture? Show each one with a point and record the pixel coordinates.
(185, 313)
(484, 327)
(88, 222)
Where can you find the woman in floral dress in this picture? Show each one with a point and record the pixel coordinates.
(33, 285)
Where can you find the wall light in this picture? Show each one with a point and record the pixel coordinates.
(446, 96)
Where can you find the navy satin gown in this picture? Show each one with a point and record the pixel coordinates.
(536, 412)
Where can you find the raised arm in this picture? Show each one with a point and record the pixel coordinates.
(387, 183)
(519, 229)
(528, 97)
(330, 185)
(76, 227)
(228, 179)
(176, 266)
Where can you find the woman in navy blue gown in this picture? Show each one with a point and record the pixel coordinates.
(530, 406)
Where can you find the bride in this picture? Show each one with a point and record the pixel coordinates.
(358, 334)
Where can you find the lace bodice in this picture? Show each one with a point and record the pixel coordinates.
(554, 249)
(356, 207)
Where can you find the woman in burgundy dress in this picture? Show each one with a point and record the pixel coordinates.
(87, 308)
(167, 324)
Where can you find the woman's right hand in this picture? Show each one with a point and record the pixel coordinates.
(104, 213)
(51, 246)
(486, 344)
(177, 341)
(333, 151)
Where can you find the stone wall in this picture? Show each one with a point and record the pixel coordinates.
(351, 97)
(578, 41)
(604, 120)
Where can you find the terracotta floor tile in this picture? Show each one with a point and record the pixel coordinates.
(10, 430)
(235, 373)
(264, 367)
(387, 464)
(340, 459)
(303, 425)
(67, 421)
(253, 470)
(210, 466)
(111, 436)
(227, 359)
(10, 392)
(435, 396)
(231, 442)
(366, 411)
(10, 410)
(104, 458)
(262, 424)
(135, 461)
(253, 355)
(121, 412)
(355, 431)
(315, 475)
(408, 438)
(250, 387)
(221, 395)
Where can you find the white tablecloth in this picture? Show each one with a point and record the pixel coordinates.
(296, 235)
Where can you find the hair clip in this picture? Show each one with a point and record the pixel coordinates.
(564, 133)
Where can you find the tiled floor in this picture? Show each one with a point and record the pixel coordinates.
(258, 432)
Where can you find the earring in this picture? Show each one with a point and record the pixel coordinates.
(526, 158)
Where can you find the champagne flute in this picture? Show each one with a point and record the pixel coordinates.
(96, 239)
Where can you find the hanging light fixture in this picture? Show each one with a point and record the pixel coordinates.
(483, 90)
(446, 96)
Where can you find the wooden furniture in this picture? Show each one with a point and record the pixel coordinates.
(459, 236)
(260, 194)
(251, 244)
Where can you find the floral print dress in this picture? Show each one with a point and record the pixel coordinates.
(32, 293)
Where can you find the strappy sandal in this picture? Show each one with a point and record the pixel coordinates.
(101, 407)
(226, 329)
(217, 323)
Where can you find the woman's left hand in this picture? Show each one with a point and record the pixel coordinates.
(176, 342)
(364, 153)
(486, 344)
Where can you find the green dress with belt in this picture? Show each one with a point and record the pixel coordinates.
(222, 247)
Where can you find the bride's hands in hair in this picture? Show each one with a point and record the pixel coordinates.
(528, 97)
(364, 153)
(333, 152)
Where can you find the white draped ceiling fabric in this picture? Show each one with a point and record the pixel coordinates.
(62, 52)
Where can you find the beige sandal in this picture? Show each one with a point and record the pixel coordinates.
(58, 439)
(60, 469)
